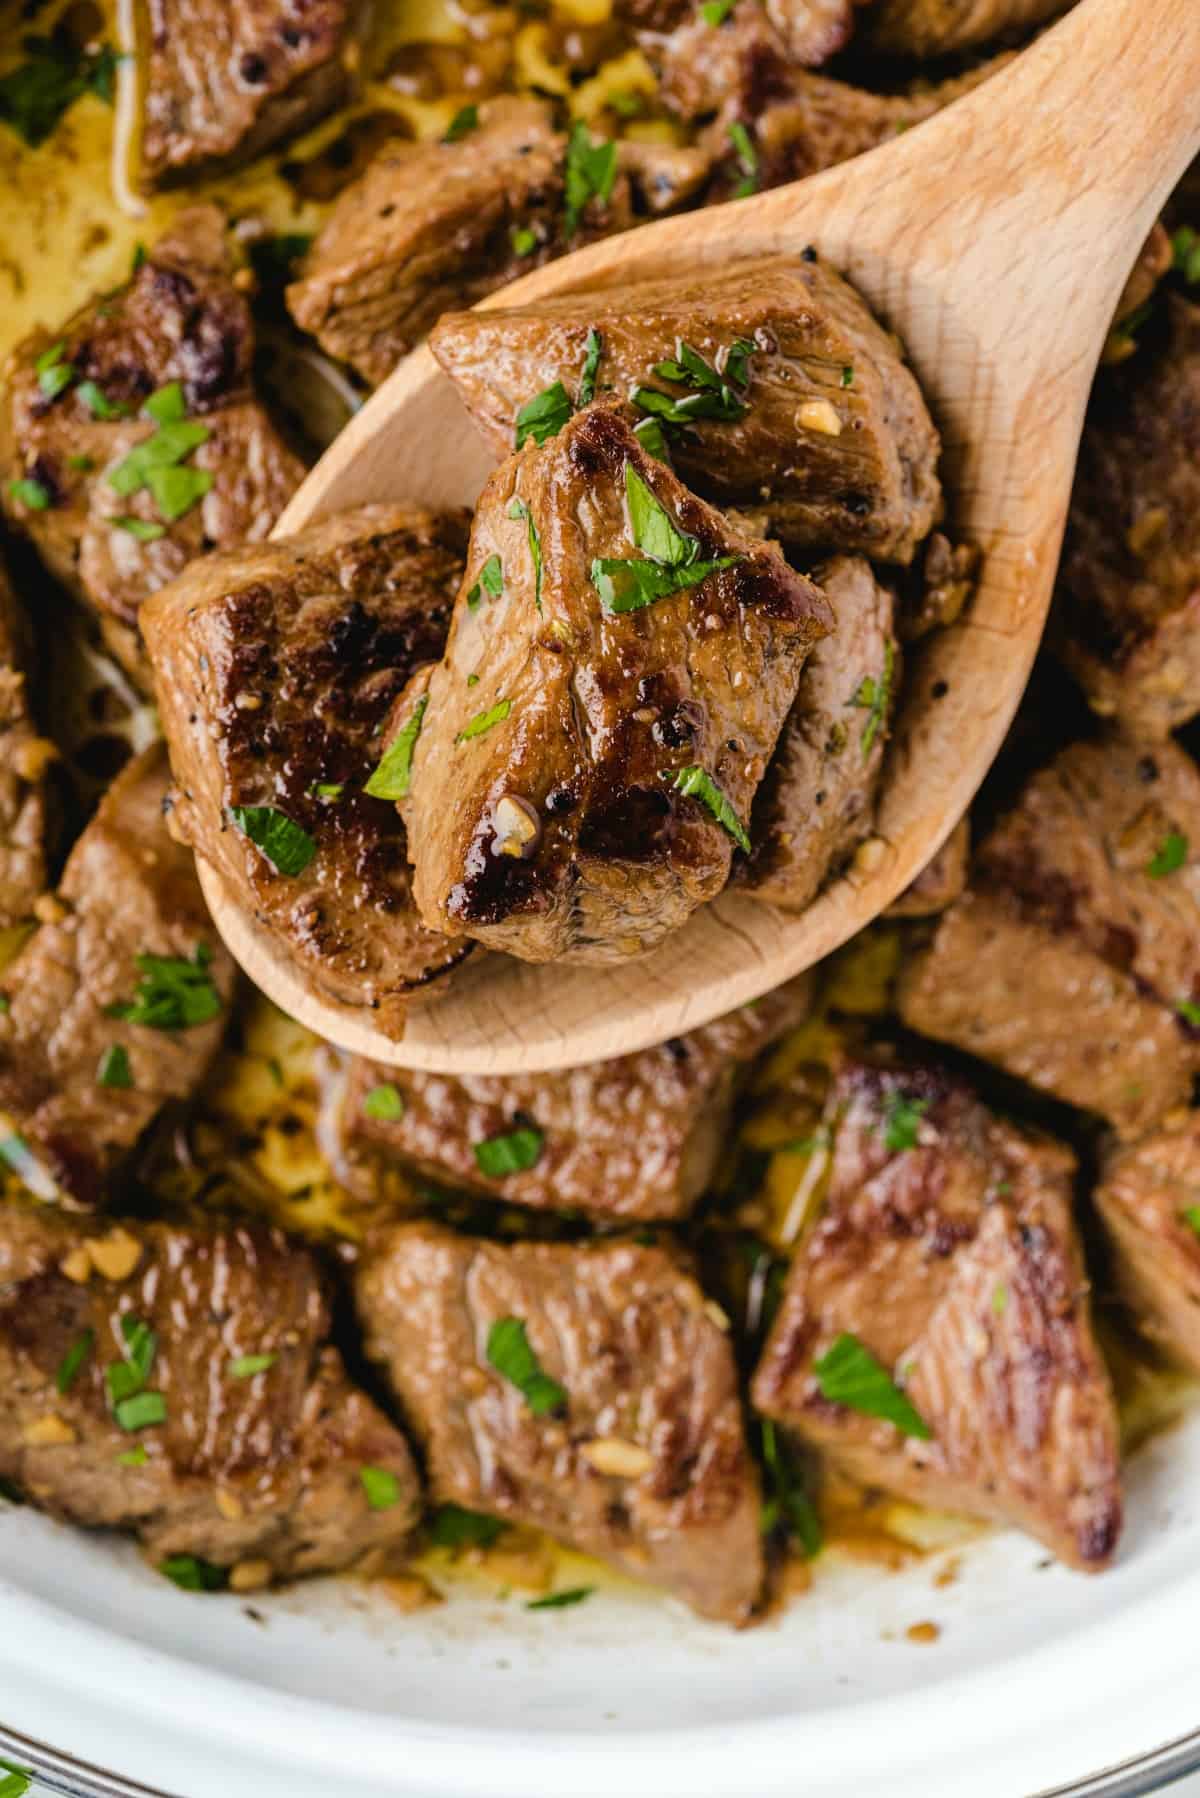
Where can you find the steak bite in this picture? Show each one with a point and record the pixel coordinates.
(24, 757)
(1074, 959)
(1046, 1008)
(1128, 615)
(705, 66)
(583, 1389)
(1149, 1203)
(933, 27)
(131, 441)
(223, 83)
(118, 1001)
(817, 802)
(430, 226)
(637, 1137)
(619, 666)
(775, 387)
(947, 1254)
(179, 1383)
(275, 667)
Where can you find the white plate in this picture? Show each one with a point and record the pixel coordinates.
(1039, 1680)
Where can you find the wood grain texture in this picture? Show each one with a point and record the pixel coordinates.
(995, 238)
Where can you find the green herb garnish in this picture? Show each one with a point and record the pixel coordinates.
(482, 722)
(712, 392)
(510, 1353)
(81, 464)
(173, 994)
(874, 697)
(1187, 1009)
(34, 96)
(544, 415)
(194, 1575)
(30, 493)
(589, 174)
(144, 529)
(491, 580)
(53, 374)
(73, 1360)
(381, 1487)
(175, 490)
(1171, 854)
(848, 376)
(393, 777)
(625, 583)
(141, 1412)
(134, 1457)
(511, 1154)
(523, 240)
(452, 1526)
(1191, 1217)
(166, 405)
(747, 157)
(848, 1374)
(287, 847)
(465, 120)
(558, 1601)
(14, 1781)
(518, 509)
(98, 403)
(384, 1103)
(715, 12)
(650, 435)
(999, 1300)
(788, 1504)
(901, 1121)
(165, 448)
(245, 1367)
(114, 1069)
(1185, 248)
(593, 350)
(698, 784)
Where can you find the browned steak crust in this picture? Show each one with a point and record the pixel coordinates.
(1149, 1203)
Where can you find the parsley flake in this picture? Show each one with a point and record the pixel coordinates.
(1191, 1217)
(589, 174)
(518, 509)
(482, 722)
(715, 12)
(593, 350)
(491, 581)
(146, 530)
(73, 1360)
(192, 1574)
(287, 846)
(524, 241)
(134, 1457)
(453, 1526)
(173, 993)
(384, 1103)
(465, 120)
(98, 402)
(1189, 1011)
(747, 157)
(510, 1353)
(698, 784)
(245, 1367)
(627, 584)
(901, 1120)
(1171, 854)
(35, 95)
(513, 1153)
(875, 697)
(14, 1781)
(789, 1505)
(381, 1487)
(114, 1069)
(30, 493)
(166, 405)
(393, 777)
(544, 415)
(848, 1374)
(141, 1412)
(559, 1601)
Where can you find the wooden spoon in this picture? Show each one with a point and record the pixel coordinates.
(995, 238)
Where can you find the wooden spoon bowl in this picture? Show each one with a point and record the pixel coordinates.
(995, 239)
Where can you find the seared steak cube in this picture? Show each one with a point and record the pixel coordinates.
(706, 65)
(1074, 960)
(1149, 1202)
(817, 803)
(775, 387)
(117, 1002)
(624, 1436)
(940, 881)
(131, 441)
(933, 27)
(945, 1278)
(1046, 1008)
(619, 666)
(637, 1137)
(223, 83)
(434, 225)
(1128, 623)
(180, 1383)
(23, 760)
(276, 666)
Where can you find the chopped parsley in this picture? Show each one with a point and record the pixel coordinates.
(30, 493)
(54, 375)
(559, 1601)
(166, 405)
(593, 350)
(589, 174)
(134, 1457)
(747, 157)
(711, 392)
(513, 1153)
(393, 777)
(848, 1374)
(1185, 247)
(788, 1507)
(491, 581)
(901, 1121)
(165, 448)
(544, 415)
(999, 1300)
(146, 530)
(192, 1574)
(1191, 1217)
(35, 95)
(381, 1487)
(125, 1379)
(14, 1781)
(875, 697)
(698, 784)
(523, 240)
(465, 120)
(453, 1526)
(1189, 1011)
(482, 722)
(141, 1412)
(650, 435)
(1171, 854)
(247, 1366)
(518, 509)
(327, 789)
(172, 994)
(287, 847)
(81, 464)
(848, 376)
(627, 583)
(384, 1103)
(715, 12)
(98, 402)
(73, 1360)
(114, 1069)
(510, 1353)
(176, 489)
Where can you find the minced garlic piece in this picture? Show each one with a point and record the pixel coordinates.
(612, 1455)
(819, 415)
